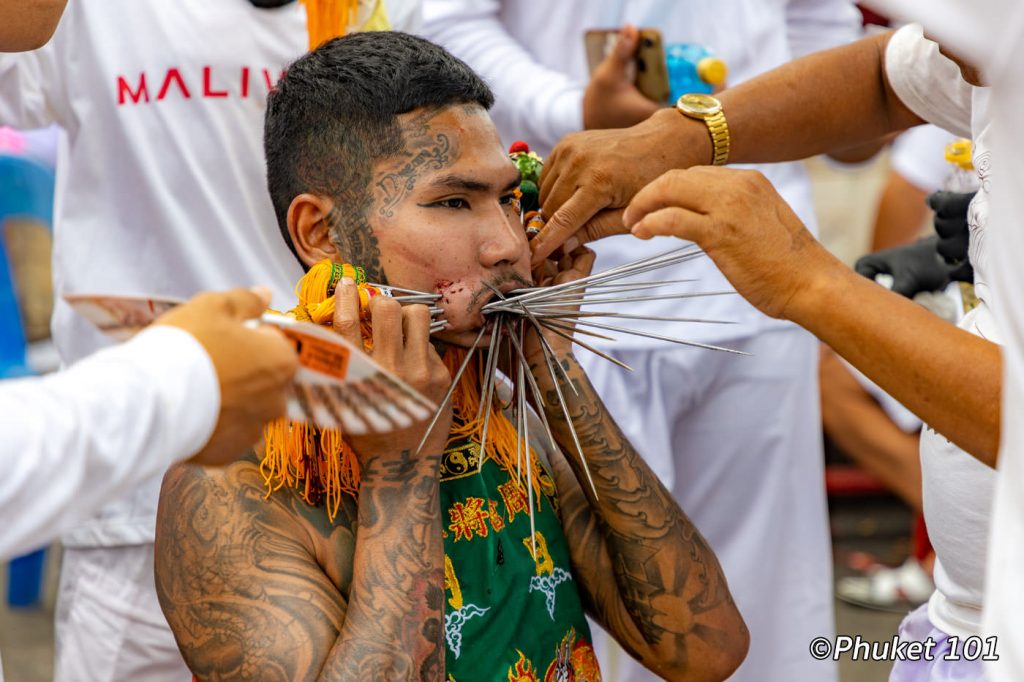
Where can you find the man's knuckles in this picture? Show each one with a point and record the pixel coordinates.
(417, 375)
(347, 327)
(416, 315)
(385, 310)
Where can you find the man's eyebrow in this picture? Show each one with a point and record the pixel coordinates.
(453, 181)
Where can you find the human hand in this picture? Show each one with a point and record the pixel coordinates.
(569, 268)
(592, 175)
(954, 234)
(254, 367)
(28, 24)
(401, 345)
(744, 226)
(611, 99)
(914, 267)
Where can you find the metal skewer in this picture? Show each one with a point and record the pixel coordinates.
(488, 394)
(543, 341)
(513, 305)
(568, 335)
(568, 418)
(650, 335)
(387, 288)
(451, 389)
(529, 480)
(629, 269)
(562, 314)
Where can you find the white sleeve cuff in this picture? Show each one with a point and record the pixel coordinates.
(928, 83)
(186, 382)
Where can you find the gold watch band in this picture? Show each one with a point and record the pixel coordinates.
(719, 131)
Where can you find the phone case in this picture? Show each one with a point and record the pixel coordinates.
(651, 67)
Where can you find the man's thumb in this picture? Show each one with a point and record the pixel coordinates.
(244, 304)
(624, 51)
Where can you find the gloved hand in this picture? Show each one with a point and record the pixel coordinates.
(914, 268)
(951, 225)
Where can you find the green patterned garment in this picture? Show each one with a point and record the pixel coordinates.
(509, 617)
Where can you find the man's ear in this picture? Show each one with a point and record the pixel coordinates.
(310, 229)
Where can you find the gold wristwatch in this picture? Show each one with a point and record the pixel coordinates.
(708, 109)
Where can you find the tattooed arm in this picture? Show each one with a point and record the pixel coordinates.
(647, 574)
(268, 589)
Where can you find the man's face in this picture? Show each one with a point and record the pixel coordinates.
(442, 215)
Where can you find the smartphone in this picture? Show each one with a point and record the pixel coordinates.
(651, 67)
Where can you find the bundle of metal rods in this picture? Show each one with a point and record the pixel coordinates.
(557, 309)
(413, 297)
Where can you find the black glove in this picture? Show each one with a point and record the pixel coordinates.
(270, 4)
(951, 225)
(914, 268)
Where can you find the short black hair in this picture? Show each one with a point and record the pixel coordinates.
(333, 115)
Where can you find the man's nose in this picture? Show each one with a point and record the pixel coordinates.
(503, 240)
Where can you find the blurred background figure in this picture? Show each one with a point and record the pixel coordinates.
(738, 441)
(863, 423)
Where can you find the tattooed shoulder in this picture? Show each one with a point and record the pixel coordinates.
(247, 583)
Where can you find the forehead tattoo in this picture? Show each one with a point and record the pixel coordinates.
(419, 151)
(424, 151)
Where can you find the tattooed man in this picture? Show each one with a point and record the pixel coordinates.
(381, 153)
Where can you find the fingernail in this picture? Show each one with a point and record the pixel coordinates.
(347, 282)
(265, 293)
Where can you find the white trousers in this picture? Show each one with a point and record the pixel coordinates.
(109, 624)
(738, 442)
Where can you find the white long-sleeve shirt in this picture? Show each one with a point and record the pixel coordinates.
(533, 58)
(76, 439)
(989, 34)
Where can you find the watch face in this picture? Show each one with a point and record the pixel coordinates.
(697, 104)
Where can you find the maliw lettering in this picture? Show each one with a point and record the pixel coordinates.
(204, 82)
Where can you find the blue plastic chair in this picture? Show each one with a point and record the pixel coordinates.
(26, 192)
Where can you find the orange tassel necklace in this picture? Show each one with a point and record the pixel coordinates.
(320, 463)
(327, 19)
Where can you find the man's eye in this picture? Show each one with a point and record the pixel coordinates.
(507, 199)
(451, 203)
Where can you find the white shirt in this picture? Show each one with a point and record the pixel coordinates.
(75, 439)
(918, 155)
(535, 61)
(990, 32)
(162, 102)
(1005, 586)
(957, 488)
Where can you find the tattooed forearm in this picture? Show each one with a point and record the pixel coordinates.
(669, 595)
(269, 589)
(394, 625)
